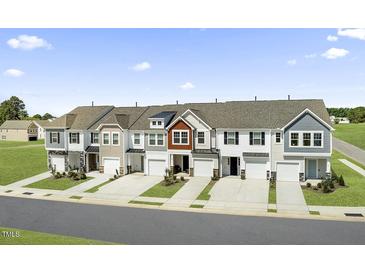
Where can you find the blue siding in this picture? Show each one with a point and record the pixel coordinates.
(308, 122)
(55, 145)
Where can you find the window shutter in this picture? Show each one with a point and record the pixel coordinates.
(78, 138)
(225, 138)
(50, 137)
(237, 136)
(251, 138)
(58, 137)
(263, 138)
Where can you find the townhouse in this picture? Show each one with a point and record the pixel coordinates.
(283, 139)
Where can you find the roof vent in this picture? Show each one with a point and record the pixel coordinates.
(255, 98)
(177, 102)
(136, 104)
(216, 100)
(288, 97)
(92, 103)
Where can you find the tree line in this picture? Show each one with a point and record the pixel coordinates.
(14, 109)
(355, 115)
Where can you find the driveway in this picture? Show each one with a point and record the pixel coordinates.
(127, 187)
(189, 192)
(349, 150)
(234, 193)
(290, 198)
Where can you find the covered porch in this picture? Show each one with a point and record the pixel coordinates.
(180, 164)
(135, 160)
(92, 158)
(317, 168)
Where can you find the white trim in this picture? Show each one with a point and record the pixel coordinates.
(281, 138)
(102, 136)
(180, 130)
(102, 125)
(300, 138)
(196, 116)
(70, 134)
(56, 132)
(197, 137)
(156, 144)
(179, 119)
(112, 139)
(310, 112)
(307, 154)
(140, 135)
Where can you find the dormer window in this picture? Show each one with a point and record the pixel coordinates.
(156, 123)
(159, 123)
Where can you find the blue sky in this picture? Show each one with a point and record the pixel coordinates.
(54, 70)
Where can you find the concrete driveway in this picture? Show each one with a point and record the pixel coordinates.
(290, 198)
(189, 192)
(127, 187)
(234, 193)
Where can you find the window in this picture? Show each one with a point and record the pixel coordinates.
(180, 137)
(294, 139)
(74, 138)
(257, 138)
(106, 137)
(231, 138)
(153, 123)
(55, 137)
(94, 138)
(156, 139)
(115, 138)
(137, 138)
(201, 139)
(159, 123)
(317, 139)
(306, 139)
(278, 137)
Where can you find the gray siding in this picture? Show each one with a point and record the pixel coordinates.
(61, 145)
(155, 148)
(308, 122)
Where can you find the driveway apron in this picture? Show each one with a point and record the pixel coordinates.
(189, 192)
(290, 198)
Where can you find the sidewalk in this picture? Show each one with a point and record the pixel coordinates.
(353, 166)
(349, 150)
(28, 181)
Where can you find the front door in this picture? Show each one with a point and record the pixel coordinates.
(92, 162)
(312, 169)
(186, 163)
(233, 165)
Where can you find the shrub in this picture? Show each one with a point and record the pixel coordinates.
(168, 182)
(273, 184)
(64, 174)
(326, 189)
(315, 188)
(82, 176)
(319, 185)
(332, 185)
(309, 184)
(182, 179)
(215, 178)
(58, 175)
(341, 182)
(174, 177)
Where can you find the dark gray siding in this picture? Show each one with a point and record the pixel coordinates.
(308, 122)
(55, 145)
(155, 148)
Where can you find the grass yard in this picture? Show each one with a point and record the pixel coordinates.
(196, 206)
(6, 144)
(272, 195)
(20, 160)
(353, 195)
(145, 203)
(96, 188)
(204, 195)
(351, 133)
(26, 237)
(57, 184)
(162, 191)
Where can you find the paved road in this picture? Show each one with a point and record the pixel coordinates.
(148, 226)
(349, 150)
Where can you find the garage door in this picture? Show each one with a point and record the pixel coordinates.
(287, 172)
(111, 165)
(255, 170)
(156, 167)
(203, 168)
(58, 162)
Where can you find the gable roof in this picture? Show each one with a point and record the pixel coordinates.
(43, 123)
(16, 124)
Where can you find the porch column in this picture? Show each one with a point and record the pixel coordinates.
(87, 162)
(328, 168)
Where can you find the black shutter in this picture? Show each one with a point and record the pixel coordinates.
(263, 138)
(69, 138)
(50, 137)
(58, 137)
(225, 137)
(237, 138)
(78, 138)
(251, 138)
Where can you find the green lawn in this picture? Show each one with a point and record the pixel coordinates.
(353, 195)
(5, 144)
(162, 191)
(145, 203)
(17, 163)
(57, 184)
(204, 195)
(96, 188)
(26, 237)
(272, 195)
(196, 206)
(351, 133)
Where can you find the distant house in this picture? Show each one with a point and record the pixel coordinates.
(339, 120)
(18, 130)
(41, 124)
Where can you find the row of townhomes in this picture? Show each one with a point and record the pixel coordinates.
(283, 139)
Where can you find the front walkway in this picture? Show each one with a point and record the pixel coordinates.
(236, 194)
(290, 198)
(189, 192)
(349, 150)
(99, 178)
(353, 166)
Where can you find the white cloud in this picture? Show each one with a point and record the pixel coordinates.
(334, 53)
(352, 33)
(27, 42)
(310, 56)
(187, 85)
(292, 62)
(332, 38)
(13, 72)
(141, 66)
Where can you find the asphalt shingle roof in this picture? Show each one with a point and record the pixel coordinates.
(16, 124)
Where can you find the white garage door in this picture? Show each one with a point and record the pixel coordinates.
(203, 168)
(58, 161)
(156, 167)
(111, 165)
(255, 170)
(287, 172)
